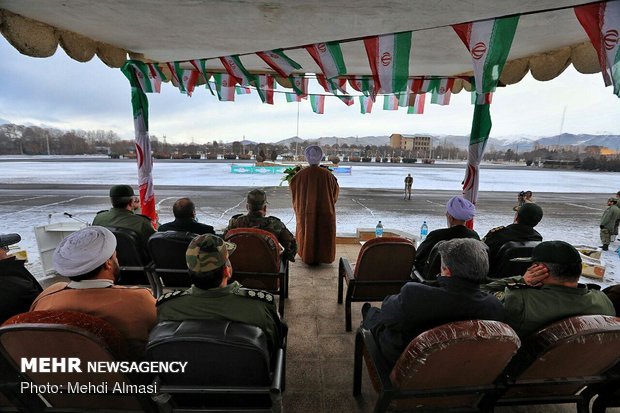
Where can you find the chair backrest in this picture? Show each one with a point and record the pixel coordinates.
(385, 258)
(571, 348)
(432, 266)
(36, 339)
(459, 354)
(167, 249)
(504, 267)
(131, 256)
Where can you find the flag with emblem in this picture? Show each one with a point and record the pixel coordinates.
(390, 102)
(278, 61)
(235, 68)
(365, 104)
(329, 58)
(292, 97)
(201, 66)
(443, 91)
(388, 56)
(332, 85)
(299, 85)
(417, 108)
(242, 90)
(149, 76)
(601, 21)
(364, 84)
(407, 97)
(424, 85)
(184, 79)
(140, 107)
(266, 85)
(318, 103)
(225, 87)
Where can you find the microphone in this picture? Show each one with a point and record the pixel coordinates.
(68, 215)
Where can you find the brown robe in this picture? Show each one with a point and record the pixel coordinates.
(315, 192)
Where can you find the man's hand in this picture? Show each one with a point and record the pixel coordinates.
(535, 275)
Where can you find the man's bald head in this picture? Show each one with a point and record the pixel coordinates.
(184, 208)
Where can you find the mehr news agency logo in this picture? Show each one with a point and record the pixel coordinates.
(74, 365)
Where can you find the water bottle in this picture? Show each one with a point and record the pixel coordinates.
(423, 231)
(379, 230)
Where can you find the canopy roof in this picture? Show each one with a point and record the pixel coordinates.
(547, 40)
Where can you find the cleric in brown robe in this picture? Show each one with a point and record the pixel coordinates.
(315, 192)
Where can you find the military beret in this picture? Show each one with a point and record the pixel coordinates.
(9, 239)
(529, 214)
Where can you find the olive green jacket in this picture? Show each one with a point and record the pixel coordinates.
(122, 218)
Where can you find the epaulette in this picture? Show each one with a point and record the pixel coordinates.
(103, 210)
(254, 294)
(170, 296)
(520, 286)
(496, 229)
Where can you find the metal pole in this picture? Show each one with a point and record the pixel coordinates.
(298, 119)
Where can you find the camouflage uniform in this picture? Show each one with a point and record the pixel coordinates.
(233, 303)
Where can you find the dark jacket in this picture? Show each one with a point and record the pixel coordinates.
(444, 234)
(497, 237)
(18, 288)
(186, 225)
(420, 307)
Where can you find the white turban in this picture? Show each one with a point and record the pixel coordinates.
(83, 251)
(313, 154)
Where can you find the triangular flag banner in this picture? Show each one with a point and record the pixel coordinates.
(443, 91)
(329, 58)
(390, 102)
(406, 98)
(201, 66)
(292, 97)
(364, 84)
(332, 85)
(225, 86)
(388, 56)
(235, 68)
(601, 21)
(418, 105)
(184, 79)
(348, 100)
(266, 85)
(300, 85)
(148, 75)
(278, 61)
(318, 103)
(365, 104)
(242, 90)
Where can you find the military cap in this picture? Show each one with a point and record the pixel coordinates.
(9, 239)
(120, 191)
(529, 214)
(557, 252)
(614, 200)
(257, 197)
(207, 252)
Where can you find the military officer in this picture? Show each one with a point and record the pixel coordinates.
(527, 217)
(211, 297)
(257, 218)
(121, 214)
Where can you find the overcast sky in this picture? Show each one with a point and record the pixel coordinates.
(60, 92)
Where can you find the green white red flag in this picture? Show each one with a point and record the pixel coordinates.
(346, 99)
(443, 91)
(365, 104)
(388, 56)
(184, 79)
(318, 103)
(242, 90)
(423, 85)
(407, 97)
(332, 85)
(390, 102)
(300, 85)
(265, 87)
(364, 84)
(292, 97)
(329, 58)
(235, 68)
(201, 66)
(418, 105)
(148, 75)
(225, 87)
(278, 61)
(601, 21)
(140, 107)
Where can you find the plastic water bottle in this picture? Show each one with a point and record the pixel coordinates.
(379, 230)
(423, 231)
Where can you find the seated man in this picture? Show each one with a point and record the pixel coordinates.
(458, 211)
(548, 291)
(527, 217)
(185, 219)
(419, 307)
(257, 218)
(121, 215)
(210, 296)
(88, 258)
(18, 288)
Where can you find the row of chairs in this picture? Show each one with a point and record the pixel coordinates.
(385, 264)
(476, 365)
(256, 262)
(229, 366)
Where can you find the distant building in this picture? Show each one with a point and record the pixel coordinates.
(418, 144)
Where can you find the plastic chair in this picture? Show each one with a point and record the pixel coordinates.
(383, 266)
(229, 366)
(135, 264)
(256, 262)
(168, 252)
(557, 362)
(505, 266)
(63, 335)
(452, 366)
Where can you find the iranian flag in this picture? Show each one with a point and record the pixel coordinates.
(318, 103)
(184, 79)
(443, 91)
(329, 58)
(489, 43)
(292, 97)
(601, 21)
(407, 97)
(388, 56)
(484, 99)
(149, 76)
(140, 106)
(201, 66)
(423, 85)
(300, 85)
(266, 85)
(346, 99)
(365, 104)
(390, 102)
(225, 87)
(242, 90)
(278, 61)
(235, 68)
(418, 105)
(332, 85)
(364, 84)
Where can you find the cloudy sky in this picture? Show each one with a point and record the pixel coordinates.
(62, 93)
